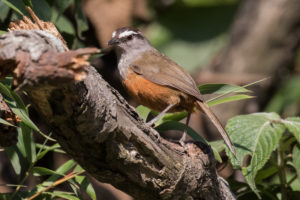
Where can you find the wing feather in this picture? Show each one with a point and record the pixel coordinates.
(159, 69)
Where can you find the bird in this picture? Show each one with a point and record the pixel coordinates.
(156, 81)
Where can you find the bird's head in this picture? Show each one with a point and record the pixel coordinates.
(128, 38)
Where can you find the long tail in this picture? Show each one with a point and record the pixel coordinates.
(204, 107)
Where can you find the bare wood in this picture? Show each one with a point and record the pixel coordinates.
(98, 129)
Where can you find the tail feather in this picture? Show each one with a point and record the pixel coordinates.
(203, 107)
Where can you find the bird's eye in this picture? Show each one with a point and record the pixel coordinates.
(130, 37)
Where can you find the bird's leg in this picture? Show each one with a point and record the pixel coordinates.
(151, 122)
(182, 139)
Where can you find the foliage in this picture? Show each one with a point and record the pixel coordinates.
(263, 142)
(210, 20)
(25, 155)
(170, 121)
(256, 136)
(49, 11)
(283, 100)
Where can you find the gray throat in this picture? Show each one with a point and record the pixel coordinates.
(127, 57)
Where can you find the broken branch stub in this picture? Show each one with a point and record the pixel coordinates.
(32, 63)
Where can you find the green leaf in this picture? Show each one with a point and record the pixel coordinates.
(47, 149)
(256, 135)
(27, 3)
(219, 145)
(19, 108)
(66, 166)
(19, 101)
(216, 154)
(42, 9)
(63, 24)
(282, 99)
(293, 125)
(22, 113)
(73, 184)
(169, 117)
(42, 171)
(234, 89)
(15, 160)
(296, 160)
(62, 6)
(85, 183)
(3, 121)
(7, 81)
(81, 21)
(174, 116)
(12, 6)
(143, 112)
(24, 118)
(4, 13)
(5, 90)
(87, 186)
(174, 125)
(228, 99)
(78, 168)
(221, 89)
(266, 173)
(61, 170)
(288, 140)
(57, 150)
(11, 196)
(64, 195)
(26, 143)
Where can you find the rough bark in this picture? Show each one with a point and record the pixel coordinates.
(98, 129)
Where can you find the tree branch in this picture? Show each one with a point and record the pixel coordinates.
(98, 129)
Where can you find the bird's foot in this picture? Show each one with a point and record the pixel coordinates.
(157, 135)
(151, 123)
(182, 143)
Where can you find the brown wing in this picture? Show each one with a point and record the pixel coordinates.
(161, 70)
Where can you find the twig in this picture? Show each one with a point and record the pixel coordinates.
(62, 180)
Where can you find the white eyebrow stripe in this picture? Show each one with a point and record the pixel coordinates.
(114, 34)
(127, 33)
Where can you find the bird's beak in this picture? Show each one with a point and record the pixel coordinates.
(113, 41)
